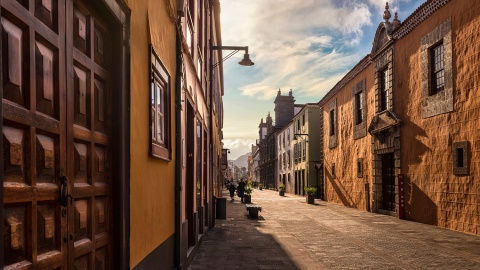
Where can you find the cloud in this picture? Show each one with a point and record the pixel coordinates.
(306, 46)
(295, 44)
(237, 147)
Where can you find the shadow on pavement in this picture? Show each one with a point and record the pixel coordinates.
(239, 243)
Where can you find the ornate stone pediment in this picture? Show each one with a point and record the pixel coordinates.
(383, 121)
(384, 31)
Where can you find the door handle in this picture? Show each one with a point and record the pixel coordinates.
(63, 192)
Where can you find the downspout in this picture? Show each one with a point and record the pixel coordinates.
(178, 147)
(1, 162)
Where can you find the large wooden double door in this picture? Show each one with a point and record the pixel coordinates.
(56, 57)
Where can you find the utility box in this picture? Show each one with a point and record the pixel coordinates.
(221, 208)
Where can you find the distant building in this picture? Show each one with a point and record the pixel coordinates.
(253, 165)
(307, 168)
(284, 111)
(285, 157)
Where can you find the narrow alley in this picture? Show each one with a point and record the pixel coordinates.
(291, 234)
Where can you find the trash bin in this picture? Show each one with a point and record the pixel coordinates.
(221, 208)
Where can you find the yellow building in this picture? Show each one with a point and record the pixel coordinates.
(111, 132)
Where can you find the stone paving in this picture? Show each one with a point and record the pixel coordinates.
(291, 234)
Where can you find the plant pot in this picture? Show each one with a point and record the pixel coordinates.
(281, 193)
(260, 188)
(310, 199)
(247, 198)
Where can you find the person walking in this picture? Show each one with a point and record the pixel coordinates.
(241, 189)
(231, 188)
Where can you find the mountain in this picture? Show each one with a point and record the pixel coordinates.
(242, 161)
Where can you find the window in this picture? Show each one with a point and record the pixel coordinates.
(190, 26)
(360, 167)
(459, 162)
(332, 123)
(359, 108)
(160, 109)
(436, 53)
(289, 160)
(199, 157)
(460, 158)
(333, 171)
(383, 80)
(304, 150)
(438, 69)
(303, 122)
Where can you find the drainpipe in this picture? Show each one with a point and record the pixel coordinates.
(178, 148)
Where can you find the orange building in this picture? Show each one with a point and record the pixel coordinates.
(408, 113)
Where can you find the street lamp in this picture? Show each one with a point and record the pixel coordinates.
(246, 57)
(295, 136)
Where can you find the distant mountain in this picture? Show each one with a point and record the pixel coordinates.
(242, 161)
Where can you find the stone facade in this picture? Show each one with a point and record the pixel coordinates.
(343, 185)
(420, 158)
(437, 191)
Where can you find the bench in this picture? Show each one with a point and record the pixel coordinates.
(253, 210)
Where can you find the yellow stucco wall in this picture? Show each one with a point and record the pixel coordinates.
(152, 180)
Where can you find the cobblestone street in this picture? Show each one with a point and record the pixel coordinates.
(291, 234)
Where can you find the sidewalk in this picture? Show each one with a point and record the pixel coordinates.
(291, 234)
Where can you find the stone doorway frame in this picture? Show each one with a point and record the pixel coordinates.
(385, 142)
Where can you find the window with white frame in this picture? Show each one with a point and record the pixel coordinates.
(159, 109)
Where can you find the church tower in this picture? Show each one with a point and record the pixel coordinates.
(284, 108)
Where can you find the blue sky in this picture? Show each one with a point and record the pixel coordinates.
(303, 45)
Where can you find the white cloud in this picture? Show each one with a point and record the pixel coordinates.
(295, 44)
(306, 46)
(237, 147)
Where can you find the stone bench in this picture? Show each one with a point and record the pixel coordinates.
(253, 210)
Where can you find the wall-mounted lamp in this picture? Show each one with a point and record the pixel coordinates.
(295, 136)
(246, 57)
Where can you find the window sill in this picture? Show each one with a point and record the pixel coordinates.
(160, 152)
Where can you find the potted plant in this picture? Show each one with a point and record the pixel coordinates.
(310, 194)
(247, 197)
(281, 189)
(260, 186)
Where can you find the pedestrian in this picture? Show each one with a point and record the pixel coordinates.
(232, 189)
(241, 189)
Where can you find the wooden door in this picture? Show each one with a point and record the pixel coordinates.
(388, 182)
(34, 132)
(88, 65)
(56, 82)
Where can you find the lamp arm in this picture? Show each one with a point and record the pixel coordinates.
(231, 48)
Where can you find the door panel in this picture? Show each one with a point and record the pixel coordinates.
(88, 154)
(54, 127)
(33, 133)
(388, 182)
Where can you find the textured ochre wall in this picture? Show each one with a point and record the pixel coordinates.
(152, 208)
(434, 194)
(347, 188)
